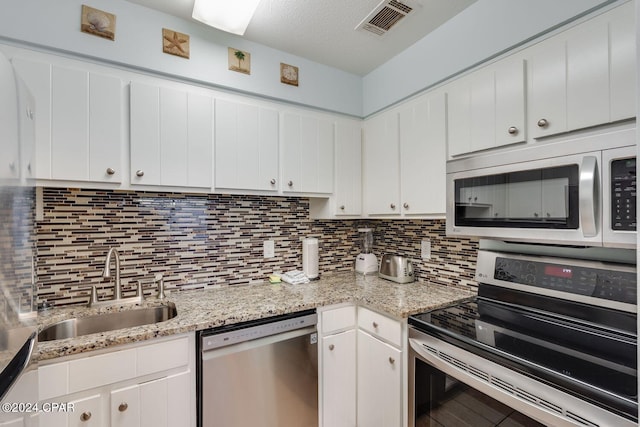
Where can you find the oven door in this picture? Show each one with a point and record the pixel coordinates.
(548, 200)
(449, 386)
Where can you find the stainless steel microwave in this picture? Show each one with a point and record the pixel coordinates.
(579, 190)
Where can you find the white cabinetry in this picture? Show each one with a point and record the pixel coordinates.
(404, 159)
(381, 167)
(24, 391)
(79, 127)
(338, 367)
(171, 136)
(307, 153)
(381, 370)
(487, 108)
(144, 385)
(246, 146)
(9, 136)
(584, 76)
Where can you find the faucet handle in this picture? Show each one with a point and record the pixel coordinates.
(160, 283)
(94, 296)
(140, 292)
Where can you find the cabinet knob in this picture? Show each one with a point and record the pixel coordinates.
(543, 123)
(331, 347)
(375, 325)
(139, 173)
(535, 214)
(30, 113)
(392, 205)
(29, 167)
(111, 171)
(273, 181)
(406, 206)
(85, 416)
(290, 183)
(12, 166)
(392, 360)
(123, 406)
(342, 207)
(513, 130)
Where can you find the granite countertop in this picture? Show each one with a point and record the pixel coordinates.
(210, 308)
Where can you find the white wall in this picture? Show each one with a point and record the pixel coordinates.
(481, 31)
(56, 24)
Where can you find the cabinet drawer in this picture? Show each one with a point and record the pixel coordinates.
(163, 356)
(381, 326)
(339, 318)
(96, 371)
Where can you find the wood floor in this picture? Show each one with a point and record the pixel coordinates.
(465, 406)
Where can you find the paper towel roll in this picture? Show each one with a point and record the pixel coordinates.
(310, 257)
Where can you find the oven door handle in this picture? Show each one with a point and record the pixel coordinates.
(589, 196)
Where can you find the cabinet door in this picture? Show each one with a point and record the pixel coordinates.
(339, 380)
(105, 128)
(174, 155)
(482, 109)
(510, 87)
(622, 33)
(37, 78)
(459, 117)
(87, 413)
(246, 146)
(423, 155)
(348, 190)
(153, 403)
(125, 407)
(9, 138)
(308, 150)
(588, 75)
(199, 140)
(381, 165)
(379, 383)
(548, 88)
(145, 134)
(180, 403)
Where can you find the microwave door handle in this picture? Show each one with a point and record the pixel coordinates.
(588, 196)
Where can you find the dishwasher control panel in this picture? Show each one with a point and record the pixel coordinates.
(253, 330)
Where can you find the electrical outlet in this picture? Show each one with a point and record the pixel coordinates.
(268, 249)
(426, 249)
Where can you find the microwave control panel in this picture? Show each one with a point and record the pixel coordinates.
(623, 194)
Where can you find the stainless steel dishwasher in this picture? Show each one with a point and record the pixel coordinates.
(262, 373)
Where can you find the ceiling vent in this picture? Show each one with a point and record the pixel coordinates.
(384, 17)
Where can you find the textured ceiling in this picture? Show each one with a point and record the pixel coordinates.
(324, 30)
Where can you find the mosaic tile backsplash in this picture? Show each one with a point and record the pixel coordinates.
(208, 240)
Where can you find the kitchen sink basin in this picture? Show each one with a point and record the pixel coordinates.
(79, 326)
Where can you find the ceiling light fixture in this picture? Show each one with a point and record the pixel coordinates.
(230, 16)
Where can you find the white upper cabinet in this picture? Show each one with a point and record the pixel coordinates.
(9, 134)
(79, 128)
(381, 165)
(171, 136)
(307, 153)
(246, 146)
(423, 155)
(585, 76)
(487, 108)
(348, 191)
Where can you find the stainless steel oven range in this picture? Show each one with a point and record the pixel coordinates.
(547, 341)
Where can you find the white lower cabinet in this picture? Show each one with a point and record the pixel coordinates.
(158, 389)
(363, 375)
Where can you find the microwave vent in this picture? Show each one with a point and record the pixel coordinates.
(384, 17)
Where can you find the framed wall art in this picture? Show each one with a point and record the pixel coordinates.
(289, 74)
(239, 60)
(98, 23)
(175, 43)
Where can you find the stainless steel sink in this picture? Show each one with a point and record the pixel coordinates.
(107, 322)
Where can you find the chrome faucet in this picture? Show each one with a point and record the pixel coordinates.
(117, 294)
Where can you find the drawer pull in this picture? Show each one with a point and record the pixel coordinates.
(331, 347)
(273, 181)
(392, 360)
(139, 173)
(543, 123)
(111, 171)
(375, 325)
(123, 406)
(86, 416)
(513, 130)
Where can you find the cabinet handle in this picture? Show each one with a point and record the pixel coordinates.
(111, 171)
(86, 416)
(290, 183)
(140, 173)
(392, 205)
(406, 206)
(342, 207)
(535, 214)
(273, 181)
(12, 166)
(543, 123)
(513, 130)
(123, 406)
(30, 113)
(29, 167)
(331, 346)
(375, 325)
(392, 360)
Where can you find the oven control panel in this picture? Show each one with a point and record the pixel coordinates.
(609, 284)
(623, 194)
